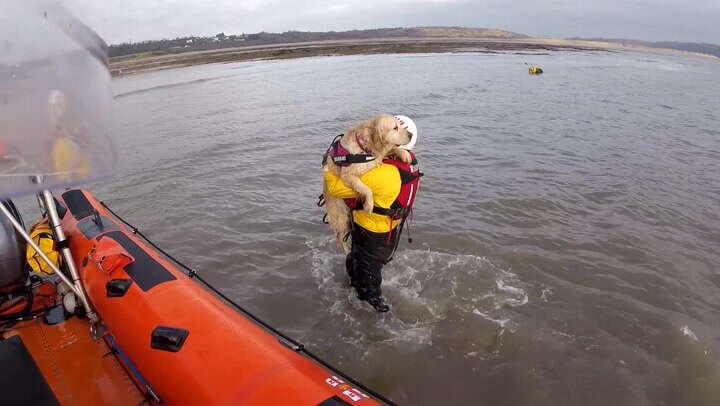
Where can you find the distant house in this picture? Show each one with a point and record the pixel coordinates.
(189, 41)
(221, 37)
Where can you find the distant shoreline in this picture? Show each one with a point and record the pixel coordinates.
(137, 63)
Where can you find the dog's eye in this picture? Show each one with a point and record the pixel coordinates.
(396, 127)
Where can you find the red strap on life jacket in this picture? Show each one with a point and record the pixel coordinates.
(410, 180)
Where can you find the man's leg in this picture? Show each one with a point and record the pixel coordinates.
(364, 264)
(351, 268)
(368, 274)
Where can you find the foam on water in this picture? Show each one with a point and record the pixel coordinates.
(689, 333)
(423, 288)
(500, 322)
(546, 294)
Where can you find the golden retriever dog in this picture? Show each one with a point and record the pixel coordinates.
(379, 137)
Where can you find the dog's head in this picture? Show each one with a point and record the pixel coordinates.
(386, 133)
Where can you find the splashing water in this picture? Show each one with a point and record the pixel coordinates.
(685, 330)
(423, 287)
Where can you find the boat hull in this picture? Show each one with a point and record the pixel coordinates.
(187, 344)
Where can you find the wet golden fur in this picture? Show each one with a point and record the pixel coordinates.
(381, 137)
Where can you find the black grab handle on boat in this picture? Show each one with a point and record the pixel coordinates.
(168, 338)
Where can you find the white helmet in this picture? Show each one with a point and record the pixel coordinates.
(407, 123)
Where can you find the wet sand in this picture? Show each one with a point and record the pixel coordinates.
(151, 61)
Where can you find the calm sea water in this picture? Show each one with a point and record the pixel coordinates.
(566, 234)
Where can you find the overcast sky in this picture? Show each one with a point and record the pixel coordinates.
(137, 20)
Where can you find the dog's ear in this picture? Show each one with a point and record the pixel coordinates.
(357, 131)
(377, 133)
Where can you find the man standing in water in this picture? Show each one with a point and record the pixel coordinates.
(375, 235)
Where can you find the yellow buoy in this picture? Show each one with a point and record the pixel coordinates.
(534, 70)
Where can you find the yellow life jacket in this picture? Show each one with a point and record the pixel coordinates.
(385, 183)
(69, 159)
(42, 235)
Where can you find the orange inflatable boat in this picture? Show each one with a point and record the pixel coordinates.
(177, 343)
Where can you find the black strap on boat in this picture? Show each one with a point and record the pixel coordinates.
(284, 339)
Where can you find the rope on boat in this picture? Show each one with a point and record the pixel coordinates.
(285, 340)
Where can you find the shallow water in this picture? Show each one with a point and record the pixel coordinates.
(566, 233)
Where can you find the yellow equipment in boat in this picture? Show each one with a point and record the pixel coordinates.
(42, 235)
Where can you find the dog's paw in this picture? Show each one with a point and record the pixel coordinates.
(404, 155)
(368, 205)
(345, 247)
